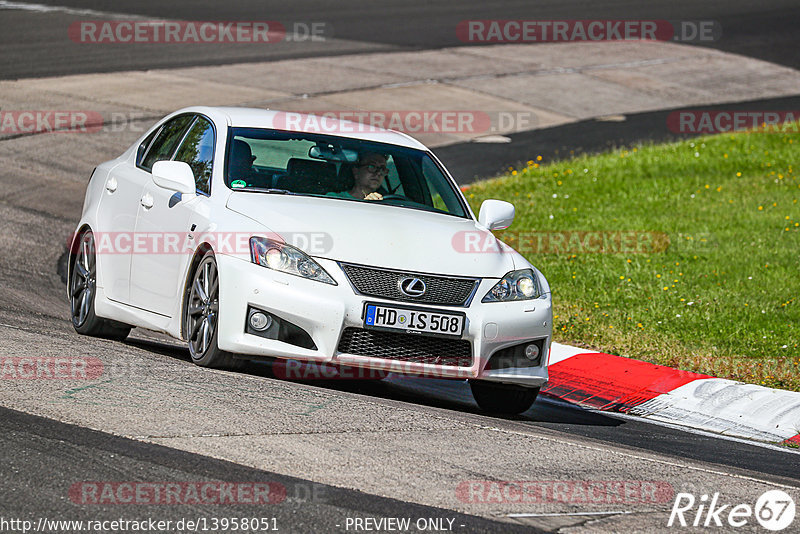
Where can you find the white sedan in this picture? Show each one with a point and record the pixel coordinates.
(352, 247)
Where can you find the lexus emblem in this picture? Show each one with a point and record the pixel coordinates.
(413, 287)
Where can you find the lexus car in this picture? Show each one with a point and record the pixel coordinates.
(245, 235)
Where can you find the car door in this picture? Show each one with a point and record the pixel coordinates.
(116, 222)
(165, 221)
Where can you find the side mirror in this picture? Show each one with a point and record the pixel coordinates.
(496, 214)
(175, 176)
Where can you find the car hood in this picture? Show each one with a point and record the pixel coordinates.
(372, 234)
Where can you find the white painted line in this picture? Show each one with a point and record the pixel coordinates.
(42, 8)
(558, 514)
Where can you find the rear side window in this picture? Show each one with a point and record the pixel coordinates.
(167, 140)
(197, 150)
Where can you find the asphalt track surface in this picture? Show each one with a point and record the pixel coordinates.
(36, 44)
(472, 161)
(40, 457)
(81, 454)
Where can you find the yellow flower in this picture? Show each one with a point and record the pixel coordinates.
(538, 158)
(738, 174)
(760, 208)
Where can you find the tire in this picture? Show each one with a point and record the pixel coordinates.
(82, 293)
(201, 317)
(505, 399)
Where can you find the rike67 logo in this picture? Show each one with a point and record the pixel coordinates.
(774, 510)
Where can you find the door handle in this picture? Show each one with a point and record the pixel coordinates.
(111, 185)
(147, 201)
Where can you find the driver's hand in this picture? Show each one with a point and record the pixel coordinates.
(374, 196)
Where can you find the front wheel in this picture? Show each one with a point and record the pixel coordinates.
(502, 398)
(82, 293)
(201, 318)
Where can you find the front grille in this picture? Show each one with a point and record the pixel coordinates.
(406, 347)
(386, 284)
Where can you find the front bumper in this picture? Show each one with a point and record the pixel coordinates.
(324, 311)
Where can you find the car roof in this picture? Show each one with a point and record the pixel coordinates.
(274, 119)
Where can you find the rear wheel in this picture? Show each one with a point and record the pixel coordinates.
(82, 292)
(502, 398)
(202, 318)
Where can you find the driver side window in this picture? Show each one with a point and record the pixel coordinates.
(197, 150)
(164, 144)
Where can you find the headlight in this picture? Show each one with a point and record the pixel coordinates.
(516, 285)
(287, 259)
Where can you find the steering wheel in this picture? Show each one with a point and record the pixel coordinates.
(395, 197)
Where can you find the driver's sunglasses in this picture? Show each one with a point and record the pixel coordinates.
(376, 169)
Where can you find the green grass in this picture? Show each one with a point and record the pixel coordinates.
(721, 296)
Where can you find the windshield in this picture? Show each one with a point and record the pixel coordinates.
(341, 169)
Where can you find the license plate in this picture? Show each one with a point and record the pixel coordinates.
(414, 320)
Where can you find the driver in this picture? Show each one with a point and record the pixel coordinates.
(368, 175)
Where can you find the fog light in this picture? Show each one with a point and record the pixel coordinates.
(532, 352)
(260, 321)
